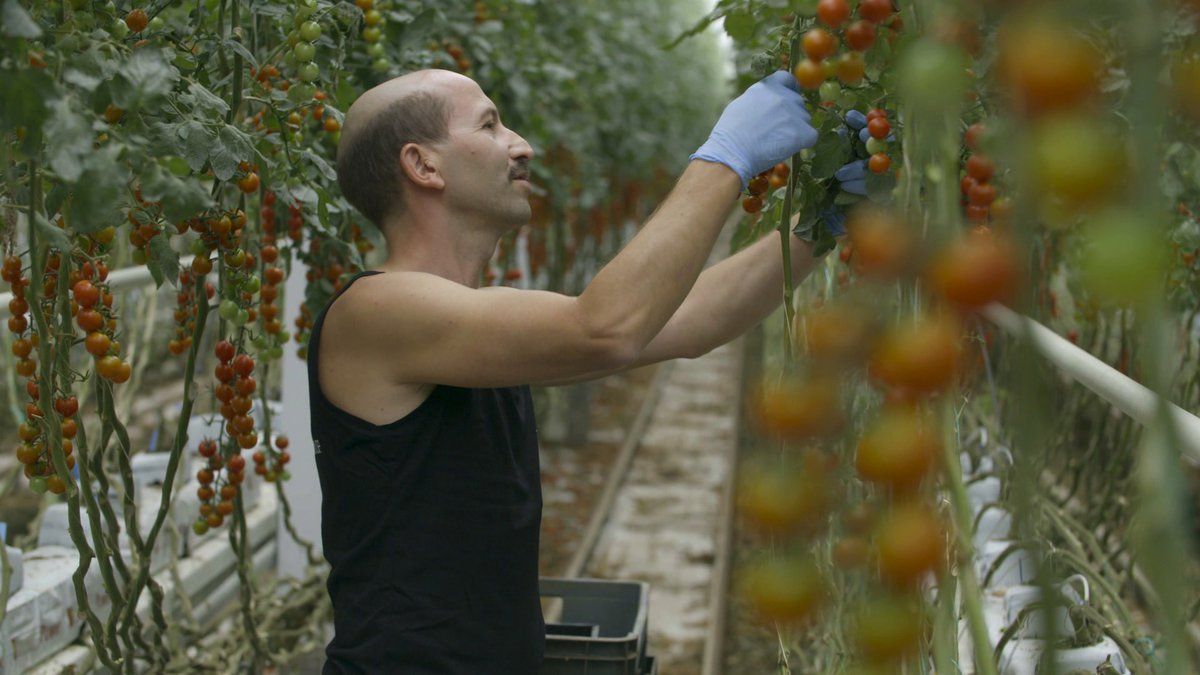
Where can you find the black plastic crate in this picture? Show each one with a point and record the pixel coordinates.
(602, 629)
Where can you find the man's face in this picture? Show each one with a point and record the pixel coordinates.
(485, 164)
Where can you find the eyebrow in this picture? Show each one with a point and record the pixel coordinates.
(490, 112)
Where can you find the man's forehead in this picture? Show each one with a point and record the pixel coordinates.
(461, 93)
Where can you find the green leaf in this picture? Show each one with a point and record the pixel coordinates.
(181, 199)
(96, 196)
(241, 50)
(207, 100)
(15, 22)
(68, 140)
(829, 154)
(144, 79)
(198, 140)
(319, 162)
(232, 146)
(55, 198)
(740, 25)
(162, 259)
(50, 234)
(23, 93)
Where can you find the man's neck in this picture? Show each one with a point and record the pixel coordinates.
(457, 251)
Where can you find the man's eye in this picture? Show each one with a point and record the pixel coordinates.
(490, 125)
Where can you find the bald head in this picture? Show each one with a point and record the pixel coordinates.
(413, 108)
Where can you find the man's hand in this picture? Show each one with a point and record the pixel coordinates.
(764, 126)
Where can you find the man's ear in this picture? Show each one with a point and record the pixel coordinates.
(420, 165)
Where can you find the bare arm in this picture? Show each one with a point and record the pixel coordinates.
(432, 330)
(728, 299)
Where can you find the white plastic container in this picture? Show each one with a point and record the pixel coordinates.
(994, 523)
(16, 561)
(983, 491)
(1016, 568)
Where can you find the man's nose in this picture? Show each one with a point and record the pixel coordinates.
(520, 148)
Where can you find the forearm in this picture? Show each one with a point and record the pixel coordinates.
(636, 293)
(732, 296)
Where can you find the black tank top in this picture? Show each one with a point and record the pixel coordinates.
(430, 525)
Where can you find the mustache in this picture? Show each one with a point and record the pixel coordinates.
(520, 171)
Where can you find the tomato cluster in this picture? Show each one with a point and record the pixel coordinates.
(219, 482)
(186, 311)
(771, 179)
(821, 63)
(270, 462)
(374, 24)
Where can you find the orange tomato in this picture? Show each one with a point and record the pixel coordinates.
(797, 410)
(911, 543)
(898, 449)
(921, 357)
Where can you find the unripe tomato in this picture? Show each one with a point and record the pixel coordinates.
(920, 357)
(850, 552)
(898, 449)
(310, 31)
(304, 52)
(1076, 159)
(371, 34)
(787, 590)
(876, 146)
(372, 17)
(888, 629)
(308, 72)
(830, 91)
(1124, 262)
(809, 74)
(911, 543)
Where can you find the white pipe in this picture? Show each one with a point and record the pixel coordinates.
(1107, 382)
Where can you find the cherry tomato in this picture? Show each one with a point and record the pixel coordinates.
(920, 356)
(809, 74)
(875, 11)
(1046, 64)
(888, 629)
(788, 590)
(884, 245)
(851, 67)
(799, 409)
(819, 44)
(898, 449)
(975, 271)
(833, 13)
(879, 163)
(860, 35)
(911, 543)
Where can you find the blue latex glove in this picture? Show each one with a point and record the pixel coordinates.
(764, 126)
(835, 220)
(853, 177)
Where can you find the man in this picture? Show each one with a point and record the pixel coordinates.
(419, 380)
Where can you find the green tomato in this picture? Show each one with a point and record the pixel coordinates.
(275, 353)
(119, 30)
(847, 100)
(875, 145)
(157, 23)
(304, 51)
(286, 475)
(38, 485)
(228, 310)
(251, 285)
(242, 318)
(260, 343)
(830, 91)
(1075, 159)
(309, 72)
(310, 31)
(200, 527)
(381, 65)
(199, 248)
(301, 93)
(139, 256)
(293, 38)
(284, 336)
(305, 8)
(372, 34)
(86, 21)
(235, 258)
(1124, 263)
(375, 50)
